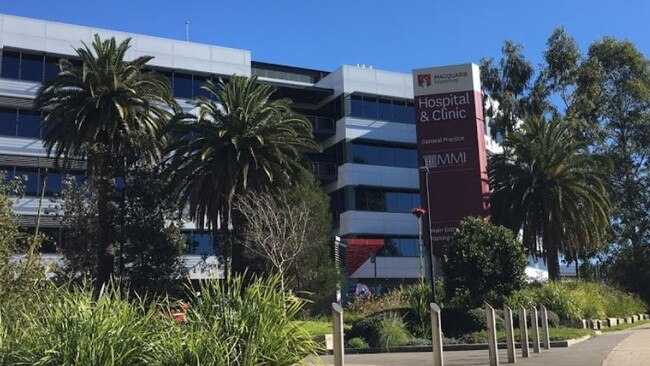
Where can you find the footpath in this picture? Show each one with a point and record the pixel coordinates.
(624, 348)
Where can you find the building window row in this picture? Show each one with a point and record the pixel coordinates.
(384, 109)
(38, 180)
(42, 67)
(385, 200)
(362, 153)
(199, 242)
(400, 247)
(20, 122)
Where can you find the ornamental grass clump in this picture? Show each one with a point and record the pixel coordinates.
(72, 329)
(233, 322)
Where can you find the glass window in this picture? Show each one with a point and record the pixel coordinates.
(390, 248)
(10, 65)
(53, 183)
(199, 243)
(30, 180)
(409, 247)
(182, 85)
(29, 124)
(51, 68)
(198, 82)
(31, 67)
(393, 201)
(8, 121)
(384, 110)
(369, 108)
(356, 106)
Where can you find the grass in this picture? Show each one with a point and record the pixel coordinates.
(315, 327)
(625, 326)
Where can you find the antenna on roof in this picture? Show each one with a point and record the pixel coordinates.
(187, 30)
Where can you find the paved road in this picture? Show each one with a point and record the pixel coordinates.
(631, 347)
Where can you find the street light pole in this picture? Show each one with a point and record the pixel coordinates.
(425, 168)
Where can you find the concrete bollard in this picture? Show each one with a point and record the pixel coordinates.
(534, 329)
(583, 322)
(523, 329)
(628, 319)
(436, 335)
(510, 334)
(546, 339)
(339, 350)
(490, 320)
(612, 322)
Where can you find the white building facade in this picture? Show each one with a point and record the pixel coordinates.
(363, 117)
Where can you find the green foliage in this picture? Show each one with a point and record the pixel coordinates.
(460, 321)
(549, 184)
(418, 298)
(23, 279)
(230, 323)
(148, 238)
(71, 329)
(244, 140)
(483, 261)
(392, 332)
(357, 342)
(108, 111)
(234, 323)
(579, 300)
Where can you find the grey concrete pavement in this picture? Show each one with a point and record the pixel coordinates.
(631, 347)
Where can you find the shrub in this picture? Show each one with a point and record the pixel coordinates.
(483, 263)
(357, 342)
(457, 322)
(419, 342)
(362, 308)
(72, 329)
(392, 332)
(418, 297)
(579, 300)
(235, 323)
(553, 318)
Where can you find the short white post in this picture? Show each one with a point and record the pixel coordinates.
(492, 335)
(546, 339)
(510, 334)
(436, 335)
(337, 318)
(534, 329)
(523, 328)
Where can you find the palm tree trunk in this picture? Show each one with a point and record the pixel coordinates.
(552, 260)
(106, 210)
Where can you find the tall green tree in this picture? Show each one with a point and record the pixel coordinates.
(243, 140)
(547, 183)
(507, 83)
(104, 111)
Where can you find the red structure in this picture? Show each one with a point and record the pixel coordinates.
(358, 252)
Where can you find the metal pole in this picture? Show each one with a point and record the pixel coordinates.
(339, 351)
(187, 31)
(546, 340)
(492, 335)
(436, 335)
(510, 334)
(523, 328)
(534, 328)
(432, 259)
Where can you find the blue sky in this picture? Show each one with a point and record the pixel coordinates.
(390, 35)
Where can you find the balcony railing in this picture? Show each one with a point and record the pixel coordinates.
(322, 125)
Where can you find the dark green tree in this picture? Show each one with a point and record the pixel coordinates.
(482, 262)
(244, 140)
(103, 111)
(547, 183)
(508, 84)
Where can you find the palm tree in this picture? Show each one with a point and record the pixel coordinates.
(548, 184)
(244, 140)
(108, 111)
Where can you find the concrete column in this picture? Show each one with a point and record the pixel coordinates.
(339, 351)
(492, 335)
(523, 328)
(510, 334)
(534, 329)
(436, 335)
(546, 339)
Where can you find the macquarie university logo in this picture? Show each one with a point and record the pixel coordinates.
(424, 80)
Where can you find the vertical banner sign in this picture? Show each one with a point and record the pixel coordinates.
(451, 148)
